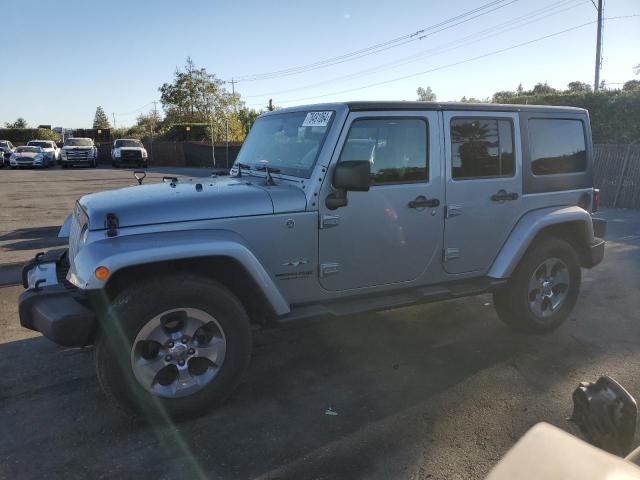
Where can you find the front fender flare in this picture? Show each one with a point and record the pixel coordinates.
(65, 228)
(526, 230)
(129, 250)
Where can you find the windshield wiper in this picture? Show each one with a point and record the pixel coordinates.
(242, 166)
(262, 168)
(269, 181)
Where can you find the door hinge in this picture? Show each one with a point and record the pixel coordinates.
(450, 254)
(453, 211)
(327, 269)
(328, 221)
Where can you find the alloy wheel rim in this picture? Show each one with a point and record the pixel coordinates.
(178, 352)
(548, 288)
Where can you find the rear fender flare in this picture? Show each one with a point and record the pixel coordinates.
(526, 230)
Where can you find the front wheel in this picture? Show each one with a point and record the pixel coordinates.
(543, 289)
(173, 346)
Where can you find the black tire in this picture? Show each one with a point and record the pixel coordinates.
(129, 313)
(511, 301)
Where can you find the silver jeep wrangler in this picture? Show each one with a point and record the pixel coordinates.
(329, 209)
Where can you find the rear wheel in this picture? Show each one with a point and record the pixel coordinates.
(175, 346)
(543, 289)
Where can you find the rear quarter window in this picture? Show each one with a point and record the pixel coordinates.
(557, 146)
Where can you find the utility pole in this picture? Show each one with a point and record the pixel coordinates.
(213, 141)
(114, 119)
(270, 107)
(155, 115)
(596, 83)
(227, 139)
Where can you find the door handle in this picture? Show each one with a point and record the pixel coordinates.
(423, 202)
(503, 195)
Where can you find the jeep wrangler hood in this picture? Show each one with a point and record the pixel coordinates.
(198, 199)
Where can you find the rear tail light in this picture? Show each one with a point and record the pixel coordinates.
(596, 200)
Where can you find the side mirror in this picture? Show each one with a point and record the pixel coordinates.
(353, 175)
(350, 175)
(606, 415)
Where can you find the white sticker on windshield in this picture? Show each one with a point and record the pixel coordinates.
(317, 119)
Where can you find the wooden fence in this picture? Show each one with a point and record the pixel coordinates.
(616, 170)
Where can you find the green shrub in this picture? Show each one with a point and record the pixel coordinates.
(23, 135)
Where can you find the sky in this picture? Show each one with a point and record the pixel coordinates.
(61, 59)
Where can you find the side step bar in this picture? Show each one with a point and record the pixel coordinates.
(405, 298)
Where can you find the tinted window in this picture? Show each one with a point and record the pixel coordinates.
(396, 148)
(481, 147)
(128, 143)
(557, 146)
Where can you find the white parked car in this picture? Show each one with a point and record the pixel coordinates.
(30, 156)
(128, 151)
(6, 150)
(49, 147)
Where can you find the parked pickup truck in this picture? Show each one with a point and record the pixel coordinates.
(330, 209)
(50, 149)
(128, 151)
(79, 152)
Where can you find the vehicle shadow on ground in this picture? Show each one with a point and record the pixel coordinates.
(364, 367)
(32, 238)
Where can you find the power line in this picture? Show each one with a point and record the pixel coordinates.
(396, 42)
(134, 111)
(517, 22)
(495, 52)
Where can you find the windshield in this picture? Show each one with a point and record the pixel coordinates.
(288, 141)
(78, 142)
(40, 144)
(128, 143)
(28, 149)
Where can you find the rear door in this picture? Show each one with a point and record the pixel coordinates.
(483, 186)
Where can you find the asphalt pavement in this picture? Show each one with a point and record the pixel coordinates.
(438, 391)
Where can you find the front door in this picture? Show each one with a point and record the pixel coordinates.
(393, 232)
(483, 187)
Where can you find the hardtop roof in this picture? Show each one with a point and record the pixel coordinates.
(417, 105)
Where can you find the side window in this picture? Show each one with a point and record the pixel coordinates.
(557, 146)
(396, 148)
(481, 148)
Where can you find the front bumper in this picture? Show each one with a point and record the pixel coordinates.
(51, 306)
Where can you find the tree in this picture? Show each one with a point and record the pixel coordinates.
(100, 119)
(19, 123)
(247, 116)
(543, 89)
(578, 87)
(426, 95)
(503, 96)
(636, 69)
(195, 95)
(520, 90)
(631, 85)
